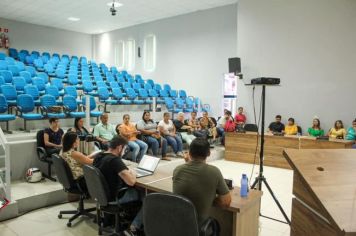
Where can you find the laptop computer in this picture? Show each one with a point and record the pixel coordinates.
(147, 166)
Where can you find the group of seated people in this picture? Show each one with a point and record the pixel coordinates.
(338, 131)
(186, 178)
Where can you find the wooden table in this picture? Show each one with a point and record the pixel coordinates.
(241, 218)
(325, 192)
(241, 147)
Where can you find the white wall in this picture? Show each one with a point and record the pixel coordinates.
(42, 38)
(310, 45)
(192, 50)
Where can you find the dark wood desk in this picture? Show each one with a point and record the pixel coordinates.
(324, 186)
(241, 218)
(241, 147)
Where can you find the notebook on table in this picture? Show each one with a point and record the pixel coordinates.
(147, 166)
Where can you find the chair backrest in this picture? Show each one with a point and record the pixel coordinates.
(117, 94)
(64, 174)
(52, 90)
(7, 75)
(114, 84)
(19, 83)
(58, 83)
(39, 82)
(48, 101)
(21, 65)
(143, 93)
(182, 94)
(97, 185)
(92, 102)
(70, 102)
(2, 80)
(88, 86)
(27, 76)
(26, 102)
(251, 127)
(3, 104)
(168, 214)
(163, 93)
(3, 65)
(73, 79)
(71, 90)
(147, 86)
(103, 93)
(180, 102)
(157, 87)
(167, 87)
(32, 90)
(32, 70)
(9, 92)
(14, 69)
(44, 76)
(131, 93)
(40, 138)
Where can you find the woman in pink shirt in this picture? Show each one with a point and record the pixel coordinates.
(240, 118)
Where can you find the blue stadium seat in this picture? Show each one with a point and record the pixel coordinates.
(53, 90)
(21, 66)
(10, 60)
(189, 104)
(14, 70)
(29, 60)
(60, 73)
(3, 65)
(32, 70)
(59, 84)
(71, 107)
(131, 94)
(93, 112)
(114, 85)
(136, 87)
(44, 76)
(173, 93)
(19, 84)
(38, 63)
(10, 94)
(2, 56)
(40, 84)
(143, 94)
(27, 76)
(22, 57)
(180, 105)
(153, 94)
(167, 87)
(149, 81)
(25, 107)
(13, 53)
(4, 108)
(2, 80)
(49, 69)
(73, 80)
(182, 94)
(147, 86)
(48, 101)
(104, 97)
(33, 91)
(118, 95)
(163, 93)
(7, 76)
(72, 91)
(157, 87)
(101, 84)
(170, 105)
(88, 88)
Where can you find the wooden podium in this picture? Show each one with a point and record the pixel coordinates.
(324, 186)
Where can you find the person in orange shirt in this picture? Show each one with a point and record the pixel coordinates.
(291, 128)
(129, 131)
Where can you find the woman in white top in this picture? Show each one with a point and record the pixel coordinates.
(168, 131)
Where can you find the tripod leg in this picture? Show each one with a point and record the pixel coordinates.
(255, 183)
(276, 200)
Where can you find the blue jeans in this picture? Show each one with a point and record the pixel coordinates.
(175, 142)
(153, 143)
(139, 148)
(130, 196)
(221, 133)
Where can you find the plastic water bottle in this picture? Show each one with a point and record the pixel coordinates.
(244, 186)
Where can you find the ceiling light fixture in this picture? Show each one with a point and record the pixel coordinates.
(73, 18)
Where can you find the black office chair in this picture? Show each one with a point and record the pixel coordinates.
(43, 156)
(174, 215)
(65, 177)
(99, 191)
(251, 128)
(299, 130)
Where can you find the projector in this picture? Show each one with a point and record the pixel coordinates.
(266, 80)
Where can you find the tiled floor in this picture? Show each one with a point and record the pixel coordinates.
(45, 222)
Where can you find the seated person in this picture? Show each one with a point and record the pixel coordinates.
(82, 133)
(117, 176)
(208, 126)
(183, 128)
(351, 132)
(152, 136)
(240, 117)
(338, 131)
(104, 131)
(168, 131)
(75, 159)
(129, 131)
(53, 137)
(194, 123)
(315, 130)
(222, 125)
(291, 128)
(277, 126)
(200, 182)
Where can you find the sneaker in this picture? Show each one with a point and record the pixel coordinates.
(180, 154)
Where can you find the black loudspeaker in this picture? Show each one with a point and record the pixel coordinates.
(235, 65)
(139, 52)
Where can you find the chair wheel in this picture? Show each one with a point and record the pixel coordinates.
(60, 216)
(69, 224)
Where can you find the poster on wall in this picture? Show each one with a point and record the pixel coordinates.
(230, 92)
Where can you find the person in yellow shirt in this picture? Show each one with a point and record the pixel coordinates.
(338, 131)
(291, 128)
(129, 131)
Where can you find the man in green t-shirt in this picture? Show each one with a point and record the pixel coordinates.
(201, 183)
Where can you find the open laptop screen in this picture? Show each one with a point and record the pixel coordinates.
(148, 163)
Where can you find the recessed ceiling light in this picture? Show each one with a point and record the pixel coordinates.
(116, 4)
(73, 18)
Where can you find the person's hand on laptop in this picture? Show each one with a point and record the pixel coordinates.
(133, 172)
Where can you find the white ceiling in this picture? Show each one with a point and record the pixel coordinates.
(95, 16)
